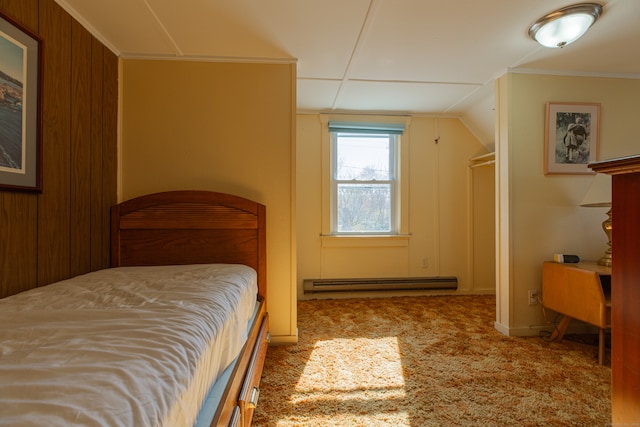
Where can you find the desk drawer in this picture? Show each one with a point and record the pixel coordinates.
(576, 291)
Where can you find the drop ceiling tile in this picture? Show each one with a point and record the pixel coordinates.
(408, 97)
(125, 26)
(320, 35)
(316, 94)
(452, 41)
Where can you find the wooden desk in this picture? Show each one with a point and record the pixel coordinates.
(579, 291)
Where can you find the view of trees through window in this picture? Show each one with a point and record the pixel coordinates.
(364, 177)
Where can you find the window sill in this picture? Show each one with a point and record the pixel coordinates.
(364, 241)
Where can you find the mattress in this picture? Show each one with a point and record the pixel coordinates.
(128, 346)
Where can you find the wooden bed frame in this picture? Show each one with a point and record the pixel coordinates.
(200, 227)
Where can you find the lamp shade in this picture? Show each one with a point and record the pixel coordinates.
(566, 25)
(599, 193)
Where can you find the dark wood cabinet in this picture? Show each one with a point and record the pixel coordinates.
(625, 287)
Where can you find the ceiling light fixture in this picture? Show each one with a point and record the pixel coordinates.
(566, 25)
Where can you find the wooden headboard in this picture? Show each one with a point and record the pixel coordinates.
(190, 227)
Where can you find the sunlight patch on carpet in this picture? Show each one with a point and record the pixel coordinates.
(359, 369)
(329, 420)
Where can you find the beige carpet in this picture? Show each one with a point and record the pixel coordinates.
(427, 361)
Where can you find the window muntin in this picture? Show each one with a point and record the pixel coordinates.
(364, 183)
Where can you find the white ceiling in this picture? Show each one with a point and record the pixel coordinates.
(426, 57)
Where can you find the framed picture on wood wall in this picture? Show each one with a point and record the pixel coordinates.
(572, 137)
(20, 92)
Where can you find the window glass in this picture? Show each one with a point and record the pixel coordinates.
(362, 157)
(364, 208)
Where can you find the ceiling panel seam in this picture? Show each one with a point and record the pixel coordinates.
(163, 28)
(374, 5)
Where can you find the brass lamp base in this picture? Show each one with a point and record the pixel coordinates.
(605, 261)
(607, 227)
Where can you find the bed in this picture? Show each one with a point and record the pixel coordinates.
(175, 333)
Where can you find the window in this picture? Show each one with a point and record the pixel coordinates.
(364, 178)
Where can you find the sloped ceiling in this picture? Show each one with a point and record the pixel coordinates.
(423, 57)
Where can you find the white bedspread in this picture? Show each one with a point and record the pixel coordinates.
(129, 346)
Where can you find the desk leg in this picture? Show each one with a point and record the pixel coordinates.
(558, 334)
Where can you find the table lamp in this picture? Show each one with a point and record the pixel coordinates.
(599, 196)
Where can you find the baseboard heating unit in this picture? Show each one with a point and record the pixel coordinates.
(312, 286)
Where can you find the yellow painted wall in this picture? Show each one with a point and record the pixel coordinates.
(439, 212)
(226, 127)
(541, 214)
(484, 230)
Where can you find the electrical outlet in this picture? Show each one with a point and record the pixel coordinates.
(533, 297)
(425, 262)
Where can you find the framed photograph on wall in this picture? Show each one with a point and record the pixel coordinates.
(20, 92)
(572, 137)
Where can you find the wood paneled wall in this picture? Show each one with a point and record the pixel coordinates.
(64, 231)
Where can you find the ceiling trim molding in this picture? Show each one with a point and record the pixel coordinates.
(573, 73)
(206, 58)
(421, 82)
(311, 111)
(418, 82)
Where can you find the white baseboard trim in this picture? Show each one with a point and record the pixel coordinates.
(283, 340)
(504, 330)
(576, 327)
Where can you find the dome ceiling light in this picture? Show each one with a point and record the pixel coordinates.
(565, 25)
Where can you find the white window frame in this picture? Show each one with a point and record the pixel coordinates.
(401, 197)
(394, 143)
